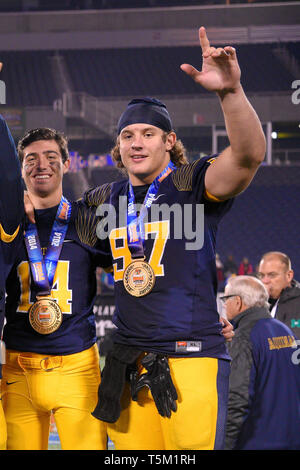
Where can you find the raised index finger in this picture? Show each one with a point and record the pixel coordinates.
(204, 42)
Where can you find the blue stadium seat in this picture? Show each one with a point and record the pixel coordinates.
(265, 217)
(133, 72)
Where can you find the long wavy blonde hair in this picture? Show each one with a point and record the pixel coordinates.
(177, 153)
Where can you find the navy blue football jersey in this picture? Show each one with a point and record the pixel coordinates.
(11, 209)
(179, 316)
(74, 287)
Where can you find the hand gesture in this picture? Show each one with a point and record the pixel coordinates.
(227, 329)
(28, 206)
(220, 69)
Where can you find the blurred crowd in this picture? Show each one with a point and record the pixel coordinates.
(230, 267)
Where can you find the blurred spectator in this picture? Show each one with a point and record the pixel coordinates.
(245, 267)
(230, 267)
(220, 272)
(276, 273)
(264, 399)
(105, 282)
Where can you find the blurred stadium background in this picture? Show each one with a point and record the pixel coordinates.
(74, 64)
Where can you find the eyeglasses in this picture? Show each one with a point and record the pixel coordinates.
(225, 297)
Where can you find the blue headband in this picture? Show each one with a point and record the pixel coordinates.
(148, 111)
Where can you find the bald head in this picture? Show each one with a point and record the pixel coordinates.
(278, 256)
(275, 272)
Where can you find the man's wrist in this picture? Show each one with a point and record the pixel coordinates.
(236, 90)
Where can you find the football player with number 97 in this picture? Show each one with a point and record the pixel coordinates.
(168, 341)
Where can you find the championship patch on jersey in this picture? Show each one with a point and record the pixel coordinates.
(188, 346)
(280, 342)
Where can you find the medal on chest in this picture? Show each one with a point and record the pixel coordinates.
(139, 276)
(45, 315)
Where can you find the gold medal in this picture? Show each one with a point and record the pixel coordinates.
(45, 315)
(139, 278)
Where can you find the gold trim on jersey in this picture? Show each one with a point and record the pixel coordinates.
(183, 179)
(5, 237)
(98, 195)
(85, 224)
(207, 195)
(183, 176)
(86, 221)
(210, 197)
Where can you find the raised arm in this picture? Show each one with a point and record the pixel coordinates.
(235, 167)
(11, 190)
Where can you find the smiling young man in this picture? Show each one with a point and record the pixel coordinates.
(145, 151)
(43, 170)
(52, 363)
(168, 337)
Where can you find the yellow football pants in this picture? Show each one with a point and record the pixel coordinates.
(34, 385)
(199, 422)
(3, 433)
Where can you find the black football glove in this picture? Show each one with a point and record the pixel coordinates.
(158, 380)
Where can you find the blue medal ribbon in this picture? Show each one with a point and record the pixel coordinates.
(43, 267)
(135, 223)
